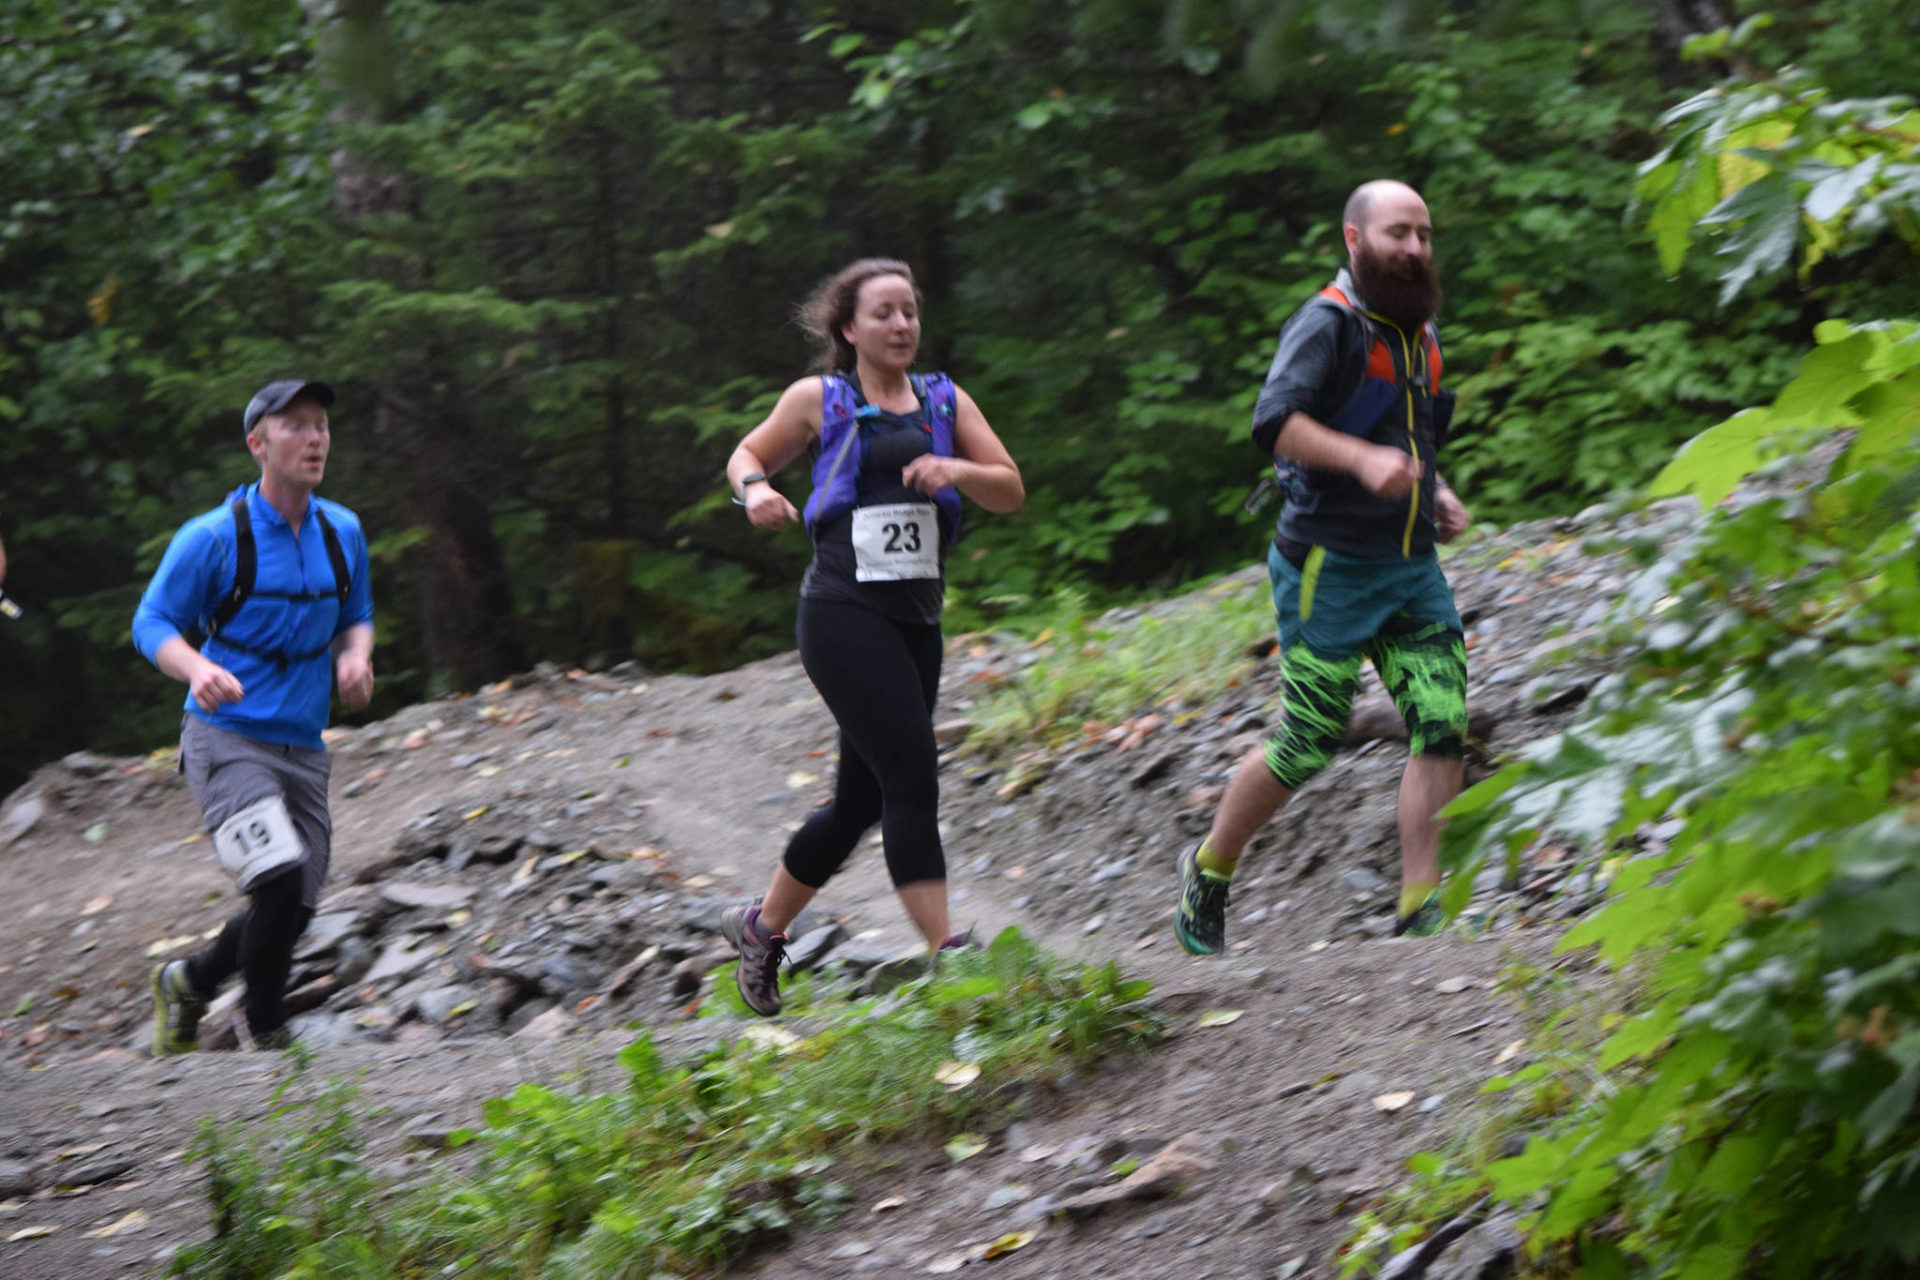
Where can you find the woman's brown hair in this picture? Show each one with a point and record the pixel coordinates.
(832, 305)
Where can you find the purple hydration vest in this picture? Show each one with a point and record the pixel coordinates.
(842, 447)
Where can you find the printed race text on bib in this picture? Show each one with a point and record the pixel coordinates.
(896, 542)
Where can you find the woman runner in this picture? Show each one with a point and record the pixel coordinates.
(896, 450)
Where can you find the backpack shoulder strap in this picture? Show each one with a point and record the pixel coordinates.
(336, 556)
(937, 393)
(838, 396)
(245, 564)
(1379, 358)
(840, 405)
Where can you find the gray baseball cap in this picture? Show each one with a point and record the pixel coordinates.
(276, 396)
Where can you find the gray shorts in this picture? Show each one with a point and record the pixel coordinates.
(227, 771)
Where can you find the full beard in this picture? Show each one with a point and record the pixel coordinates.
(1403, 288)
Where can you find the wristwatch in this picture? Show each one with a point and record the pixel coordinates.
(752, 477)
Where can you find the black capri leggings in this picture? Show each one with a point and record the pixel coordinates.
(879, 678)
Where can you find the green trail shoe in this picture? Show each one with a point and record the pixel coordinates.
(1425, 921)
(1201, 922)
(177, 1010)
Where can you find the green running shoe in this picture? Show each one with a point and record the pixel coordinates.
(177, 1010)
(1201, 922)
(1425, 921)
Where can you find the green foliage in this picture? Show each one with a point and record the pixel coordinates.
(1776, 170)
(689, 1164)
(1758, 1103)
(160, 192)
(267, 1214)
(1554, 1064)
(1861, 377)
(1754, 1108)
(1090, 670)
(548, 254)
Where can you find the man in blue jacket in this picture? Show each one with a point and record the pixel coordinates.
(276, 580)
(1352, 414)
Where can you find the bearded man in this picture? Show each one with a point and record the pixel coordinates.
(1353, 416)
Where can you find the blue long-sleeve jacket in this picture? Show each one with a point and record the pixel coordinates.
(283, 703)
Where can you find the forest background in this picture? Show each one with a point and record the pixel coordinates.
(547, 254)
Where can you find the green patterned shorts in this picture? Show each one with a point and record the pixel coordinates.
(1335, 611)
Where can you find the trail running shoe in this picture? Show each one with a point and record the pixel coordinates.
(177, 1010)
(1425, 921)
(960, 942)
(758, 973)
(955, 942)
(281, 1037)
(1201, 922)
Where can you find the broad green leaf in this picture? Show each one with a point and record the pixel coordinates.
(1889, 414)
(1733, 1166)
(1713, 1262)
(1830, 196)
(1717, 459)
(1575, 1201)
(1890, 1108)
(1640, 1036)
(1536, 1168)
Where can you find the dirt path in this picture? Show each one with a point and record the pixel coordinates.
(705, 777)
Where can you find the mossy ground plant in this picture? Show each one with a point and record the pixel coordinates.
(1090, 671)
(691, 1163)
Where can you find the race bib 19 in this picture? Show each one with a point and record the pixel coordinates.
(258, 839)
(896, 542)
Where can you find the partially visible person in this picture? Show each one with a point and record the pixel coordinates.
(896, 452)
(1353, 415)
(7, 607)
(276, 580)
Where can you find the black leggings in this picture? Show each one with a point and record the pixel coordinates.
(260, 942)
(879, 678)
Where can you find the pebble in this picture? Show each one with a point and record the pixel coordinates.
(1002, 1197)
(17, 1178)
(1363, 880)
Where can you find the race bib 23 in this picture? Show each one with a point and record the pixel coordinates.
(896, 542)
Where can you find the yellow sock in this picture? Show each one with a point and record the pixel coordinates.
(1414, 896)
(1213, 864)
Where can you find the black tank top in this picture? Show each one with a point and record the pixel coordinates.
(890, 441)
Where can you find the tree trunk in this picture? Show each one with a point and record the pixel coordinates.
(465, 605)
(614, 455)
(1674, 23)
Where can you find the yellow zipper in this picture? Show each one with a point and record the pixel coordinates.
(1413, 441)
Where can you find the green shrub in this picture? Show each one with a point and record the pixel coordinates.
(690, 1163)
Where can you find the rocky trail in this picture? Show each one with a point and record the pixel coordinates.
(523, 874)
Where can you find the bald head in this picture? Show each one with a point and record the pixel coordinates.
(1361, 204)
(1387, 217)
